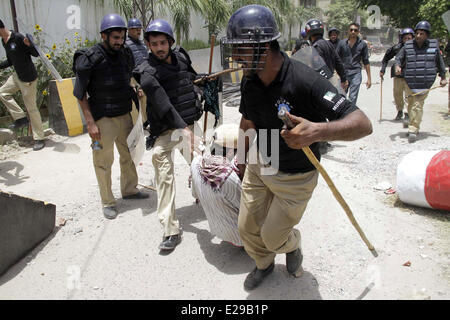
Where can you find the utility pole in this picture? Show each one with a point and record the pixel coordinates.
(14, 15)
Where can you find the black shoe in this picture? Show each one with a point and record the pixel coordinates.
(110, 212)
(169, 243)
(412, 137)
(38, 145)
(256, 277)
(294, 261)
(406, 121)
(139, 195)
(399, 116)
(19, 123)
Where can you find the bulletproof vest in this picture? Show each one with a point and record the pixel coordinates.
(110, 93)
(140, 52)
(177, 80)
(420, 70)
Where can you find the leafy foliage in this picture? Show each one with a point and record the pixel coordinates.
(408, 13)
(60, 55)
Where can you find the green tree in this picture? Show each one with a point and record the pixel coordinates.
(341, 13)
(408, 13)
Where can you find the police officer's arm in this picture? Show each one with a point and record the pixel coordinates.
(366, 63)
(159, 104)
(82, 76)
(27, 46)
(399, 60)
(340, 69)
(346, 123)
(5, 64)
(247, 132)
(388, 56)
(441, 68)
(93, 129)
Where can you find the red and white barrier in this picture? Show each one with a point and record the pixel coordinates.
(423, 179)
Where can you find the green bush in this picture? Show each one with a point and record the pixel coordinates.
(60, 55)
(194, 44)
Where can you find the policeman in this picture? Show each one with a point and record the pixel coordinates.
(172, 108)
(104, 72)
(140, 53)
(314, 30)
(419, 59)
(399, 82)
(24, 78)
(273, 201)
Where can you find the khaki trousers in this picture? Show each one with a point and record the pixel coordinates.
(415, 109)
(271, 205)
(399, 89)
(163, 162)
(28, 89)
(114, 130)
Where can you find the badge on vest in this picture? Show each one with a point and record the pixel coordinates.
(431, 50)
(329, 96)
(283, 103)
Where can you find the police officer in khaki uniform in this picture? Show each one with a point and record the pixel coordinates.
(419, 60)
(104, 72)
(273, 201)
(399, 82)
(25, 78)
(172, 109)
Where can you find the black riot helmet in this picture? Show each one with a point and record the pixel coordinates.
(314, 27)
(251, 27)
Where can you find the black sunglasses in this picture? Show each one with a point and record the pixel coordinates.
(356, 30)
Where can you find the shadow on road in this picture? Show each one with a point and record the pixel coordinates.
(280, 286)
(421, 136)
(11, 179)
(224, 256)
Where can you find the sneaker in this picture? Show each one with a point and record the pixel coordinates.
(294, 261)
(19, 123)
(139, 195)
(412, 137)
(110, 212)
(256, 277)
(406, 121)
(170, 242)
(38, 145)
(399, 116)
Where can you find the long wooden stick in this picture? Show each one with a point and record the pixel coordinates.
(424, 91)
(205, 122)
(289, 124)
(217, 74)
(381, 99)
(339, 198)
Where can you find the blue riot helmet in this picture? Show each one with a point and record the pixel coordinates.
(303, 33)
(112, 21)
(423, 25)
(159, 26)
(404, 32)
(251, 27)
(134, 23)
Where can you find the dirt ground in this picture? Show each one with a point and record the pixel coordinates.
(94, 258)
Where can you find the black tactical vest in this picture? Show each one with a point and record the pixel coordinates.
(110, 93)
(177, 80)
(420, 70)
(140, 52)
